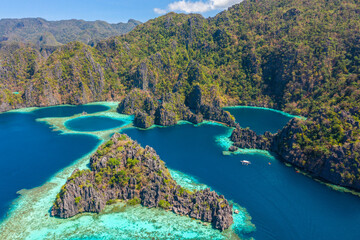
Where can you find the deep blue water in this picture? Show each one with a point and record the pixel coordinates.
(282, 203)
(93, 123)
(31, 153)
(68, 111)
(259, 120)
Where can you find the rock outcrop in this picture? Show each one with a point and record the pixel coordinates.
(246, 138)
(172, 107)
(303, 144)
(122, 170)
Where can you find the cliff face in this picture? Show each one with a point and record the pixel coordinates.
(314, 146)
(68, 75)
(237, 51)
(246, 138)
(297, 70)
(172, 107)
(121, 169)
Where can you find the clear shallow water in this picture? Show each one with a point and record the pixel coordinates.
(68, 111)
(259, 120)
(93, 123)
(282, 203)
(29, 218)
(31, 153)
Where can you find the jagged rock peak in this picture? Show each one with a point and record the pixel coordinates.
(168, 109)
(123, 170)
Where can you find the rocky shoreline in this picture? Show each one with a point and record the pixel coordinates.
(122, 170)
(173, 107)
(336, 164)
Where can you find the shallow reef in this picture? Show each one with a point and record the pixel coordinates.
(29, 217)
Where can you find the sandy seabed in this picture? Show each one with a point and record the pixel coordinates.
(29, 216)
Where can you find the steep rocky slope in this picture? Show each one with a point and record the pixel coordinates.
(172, 107)
(286, 54)
(313, 145)
(122, 170)
(298, 56)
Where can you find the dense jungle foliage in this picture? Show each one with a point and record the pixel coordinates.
(43, 33)
(300, 56)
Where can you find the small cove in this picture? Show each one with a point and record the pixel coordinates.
(68, 111)
(259, 120)
(282, 203)
(31, 153)
(29, 216)
(93, 123)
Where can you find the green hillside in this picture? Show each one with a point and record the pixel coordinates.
(302, 57)
(41, 32)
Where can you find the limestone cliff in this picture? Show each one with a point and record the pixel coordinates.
(172, 107)
(122, 169)
(312, 145)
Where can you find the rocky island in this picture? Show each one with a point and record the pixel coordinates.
(122, 170)
(256, 53)
(167, 110)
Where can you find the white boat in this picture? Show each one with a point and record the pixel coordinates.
(245, 162)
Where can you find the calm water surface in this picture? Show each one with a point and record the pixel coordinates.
(31, 153)
(68, 111)
(93, 123)
(283, 204)
(258, 119)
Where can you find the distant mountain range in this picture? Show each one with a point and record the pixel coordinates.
(41, 32)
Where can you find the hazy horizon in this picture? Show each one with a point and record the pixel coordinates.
(110, 11)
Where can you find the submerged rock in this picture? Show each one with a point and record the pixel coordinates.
(122, 170)
(233, 149)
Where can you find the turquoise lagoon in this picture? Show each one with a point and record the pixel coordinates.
(283, 204)
(28, 216)
(31, 153)
(260, 119)
(93, 123)
(68, 111)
